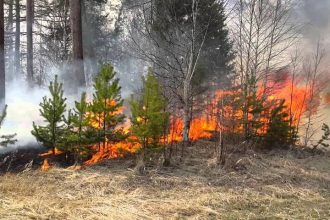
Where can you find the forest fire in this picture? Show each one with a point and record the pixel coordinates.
(206, 123)
(105, 100)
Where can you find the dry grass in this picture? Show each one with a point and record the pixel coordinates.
(267, 187)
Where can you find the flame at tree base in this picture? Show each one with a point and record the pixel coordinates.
(50, 152)
(112, 150)
(45, 165)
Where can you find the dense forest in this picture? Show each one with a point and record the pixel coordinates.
(157, 82)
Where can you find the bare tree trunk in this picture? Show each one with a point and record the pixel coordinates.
(221, 151)
(186, 116)
(89, 50)
(29, 29)
(77, 44)
(293, 120)
(2, 57)
(9, 30)
(17, 58)
(314, 90)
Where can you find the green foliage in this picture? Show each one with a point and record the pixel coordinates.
(52, 110)
(85, 125)
(279, 129)
(325, 137)
(6, 140)
(217, 54)
(106, 105)
(252, 107)
(80, 135)
(149, 116)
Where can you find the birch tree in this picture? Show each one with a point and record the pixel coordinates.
(314, 75)
(171, 36)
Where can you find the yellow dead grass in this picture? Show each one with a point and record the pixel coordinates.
(271, 187)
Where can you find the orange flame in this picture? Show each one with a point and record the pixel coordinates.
(50, 152)
(111, 151)
(45, 165)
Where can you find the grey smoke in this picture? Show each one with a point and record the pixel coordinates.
(315, 17)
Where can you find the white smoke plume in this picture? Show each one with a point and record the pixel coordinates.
(23, 108)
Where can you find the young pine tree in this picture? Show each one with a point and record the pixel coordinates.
(325, 137)
(279, 128)
(80, 135)
(106, 105)
(6, 140)
(149, 118)
(52, 110)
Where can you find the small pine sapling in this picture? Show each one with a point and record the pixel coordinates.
(325, 137)
(279, 129)
(6, 140)
(52, 110)
(149, 117)
(80, 135)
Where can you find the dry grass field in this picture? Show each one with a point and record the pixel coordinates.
(254, 186)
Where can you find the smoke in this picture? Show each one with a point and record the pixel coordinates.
(23, 101)
(22, 109)
(316, 18)
(314, 15)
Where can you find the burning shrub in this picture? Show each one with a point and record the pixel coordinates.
(280, 132)
(106, 108)
(80, 135)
